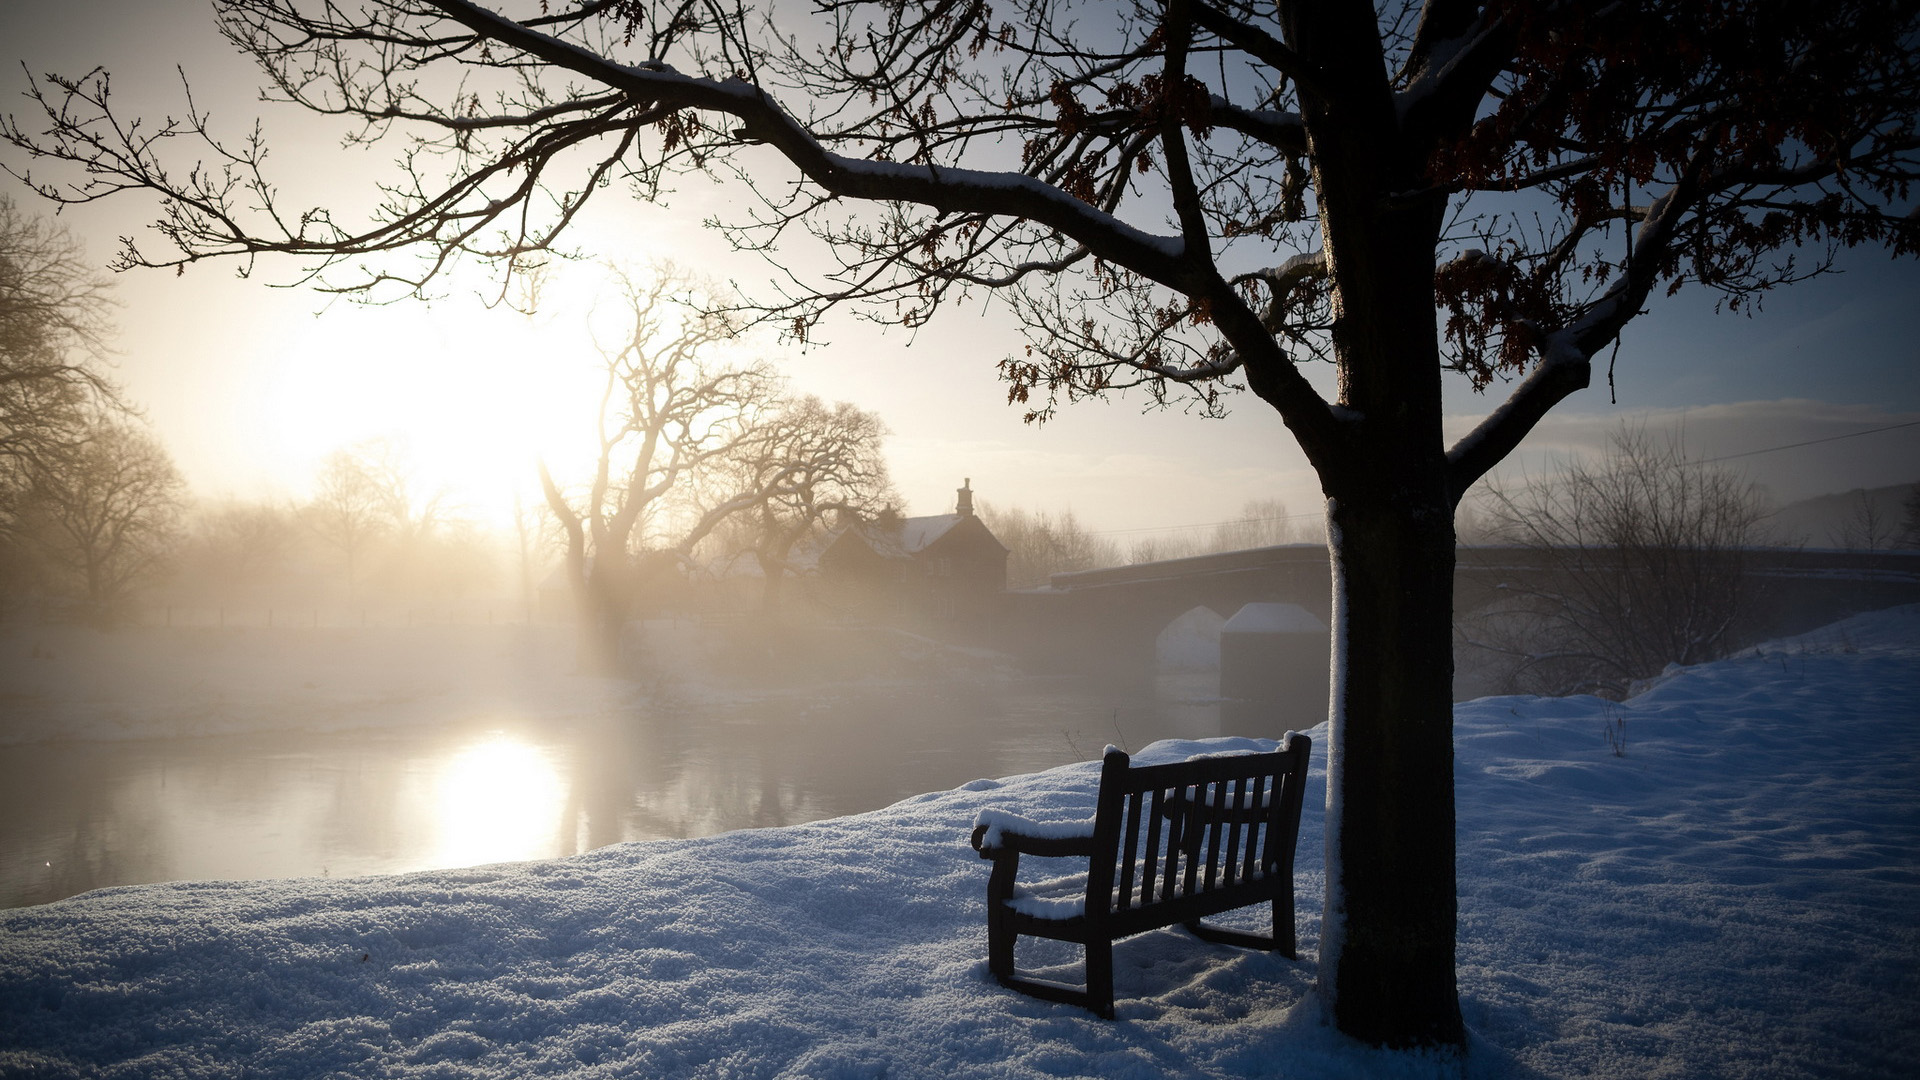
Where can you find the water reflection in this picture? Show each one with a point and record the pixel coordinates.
(78, 816)
(498, 799)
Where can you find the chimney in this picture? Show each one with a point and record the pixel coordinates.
(964, 507)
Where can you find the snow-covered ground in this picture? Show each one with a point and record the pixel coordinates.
(1734, 896)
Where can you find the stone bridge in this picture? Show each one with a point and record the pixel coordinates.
(1093, 619)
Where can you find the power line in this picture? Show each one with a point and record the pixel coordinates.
(1314, 514)
(1809, 442)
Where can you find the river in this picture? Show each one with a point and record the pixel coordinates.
(80, 815)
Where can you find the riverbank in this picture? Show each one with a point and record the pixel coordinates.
(1733, 893)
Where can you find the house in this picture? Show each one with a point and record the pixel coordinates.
(942, 568)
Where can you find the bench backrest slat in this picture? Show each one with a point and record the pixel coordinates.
(1186, 829)
(1230, 862)
(1207, 827)
(1176, 839)
(1154, 817)
(1251, 861)
(1131, 843)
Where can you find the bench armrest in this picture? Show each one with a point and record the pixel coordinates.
(998, 832)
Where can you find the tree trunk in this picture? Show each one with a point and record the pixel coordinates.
(600, 615)
(773, 574)
(600, 636)
(1387, 961)
(1387, 957)
(99, 609)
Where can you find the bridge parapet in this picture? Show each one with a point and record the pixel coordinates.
(1224, 562)
(1114, 614)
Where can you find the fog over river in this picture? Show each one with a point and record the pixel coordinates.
(386, 786)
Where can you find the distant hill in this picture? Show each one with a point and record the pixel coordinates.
(1837, 521)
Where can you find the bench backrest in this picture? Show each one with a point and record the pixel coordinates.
(1196, 837)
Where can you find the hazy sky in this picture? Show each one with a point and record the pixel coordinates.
(250, 388)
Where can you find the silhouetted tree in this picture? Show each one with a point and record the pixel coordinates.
(1910, 518)
(348, 511)
(424, 544)
(1262, 523)
(394, 543)
(1206, 196)
(53, 330)
(1639, 562)
(670, 411)
(815, 463)
(103, 516)
(234, 549)
(1866, 525)
(1042, 543)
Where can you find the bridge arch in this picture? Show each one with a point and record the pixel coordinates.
(1191, 640)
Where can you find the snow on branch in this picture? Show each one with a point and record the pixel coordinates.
(950, 190)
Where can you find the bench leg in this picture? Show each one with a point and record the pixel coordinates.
(1098, 996)
(999, 946)
(1284, 940)
(1100, 978)
(1000, 933)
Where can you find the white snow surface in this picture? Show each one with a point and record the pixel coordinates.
(1736, 896)
(999, 822)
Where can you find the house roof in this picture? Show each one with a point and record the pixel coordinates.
(902, 539)
(919, 532)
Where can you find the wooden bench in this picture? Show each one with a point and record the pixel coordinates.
(1167, 844)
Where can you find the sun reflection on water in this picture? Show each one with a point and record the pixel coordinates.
(499, 799)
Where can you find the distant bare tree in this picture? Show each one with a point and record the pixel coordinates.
(1643, 558)
(1262, 523)
(1163, 547)
(1867, 525)
(1043, 543)
(422, 539)
(53, 331)
(349, 511)
(813, 462)
(527, 535)
(237, 545)
(103, 515)
(455, 558)
(411, 516)
(1910, 518)
(670, 411)
(391, 540)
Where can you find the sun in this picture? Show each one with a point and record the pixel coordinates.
(474, 398)
(471, 399)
